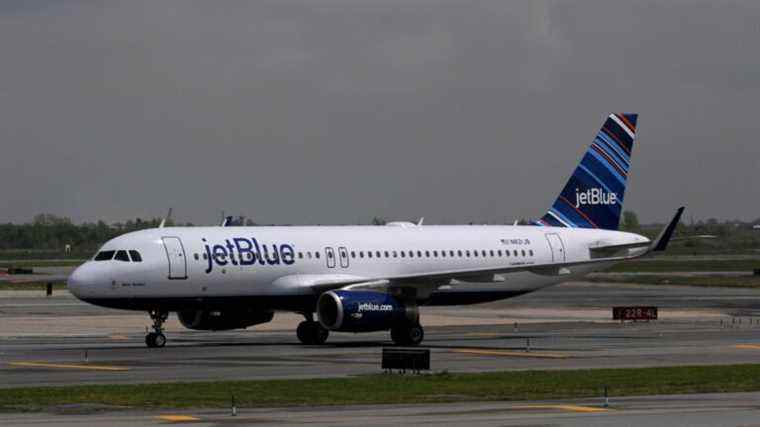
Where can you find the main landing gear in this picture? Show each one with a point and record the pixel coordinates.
(310, 332)
(408, 334)
(157, 339)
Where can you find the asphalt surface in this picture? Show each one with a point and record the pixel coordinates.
(61, 341)
(736, 409)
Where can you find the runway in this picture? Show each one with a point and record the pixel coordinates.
(60, 341)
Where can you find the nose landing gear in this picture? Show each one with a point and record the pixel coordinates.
(157, 339)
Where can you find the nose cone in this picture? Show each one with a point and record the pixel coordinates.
(82, 281)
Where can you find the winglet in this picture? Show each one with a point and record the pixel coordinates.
(661, 243)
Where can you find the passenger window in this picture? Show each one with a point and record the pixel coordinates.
(523, 252)
(121, 256)
(316, 254)
(377, 254)
(451, 254)
(308, 254)
(531, 252)
(369, 254)
(411, 254)
(475, 254)
(137, 258)
(467, 253)
(427, 254)
(197, 258)
(300, 255)
(403, 254)
(361, 254)
(499, 252)
(105, 256)
(205, 256)
(419, 254)
(395, 254)
(386, 254)
(353, 254)
(514, 253)
(459, 253)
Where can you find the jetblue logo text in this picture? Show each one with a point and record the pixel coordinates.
(594, 196)
(242, 251)
(369, 306)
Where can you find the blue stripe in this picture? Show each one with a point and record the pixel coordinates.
(599, 181)
(602, 161)
(613, 157)
(612, 143)
(612, 151)
(601, 175)
(556, 211)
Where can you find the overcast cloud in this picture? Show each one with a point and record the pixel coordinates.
(334, 111)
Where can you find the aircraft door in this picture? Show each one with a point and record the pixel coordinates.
(330, 257)
(175, 253)
(343, 254)
(557, 247)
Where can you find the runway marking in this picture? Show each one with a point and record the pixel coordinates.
(68, 366)
(568, 408)
(747, 346)
(178, 418)
(509, 353)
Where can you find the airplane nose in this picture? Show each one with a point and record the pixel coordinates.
(79, 281)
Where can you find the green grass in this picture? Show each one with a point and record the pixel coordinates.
(5, 286)
(666, 265)
(388, 389)
(41, 263)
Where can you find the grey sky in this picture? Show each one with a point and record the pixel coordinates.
(333, 111)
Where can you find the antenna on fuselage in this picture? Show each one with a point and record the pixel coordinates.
(166, 218)
(422, 219)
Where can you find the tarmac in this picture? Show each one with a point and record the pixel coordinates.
(59, 340)
(735, 409)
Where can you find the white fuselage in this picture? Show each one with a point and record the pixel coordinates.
(197, 263)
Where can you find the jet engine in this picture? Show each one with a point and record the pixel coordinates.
(221, 320)
(363, 311)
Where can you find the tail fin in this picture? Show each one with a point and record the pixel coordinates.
(593, 197)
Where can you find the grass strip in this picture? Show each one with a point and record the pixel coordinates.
(388, 389)
(41, 263)
(659, 266)
(37, 286)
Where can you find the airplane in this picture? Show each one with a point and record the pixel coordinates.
(370, 278)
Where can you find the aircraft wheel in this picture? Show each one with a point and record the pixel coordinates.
(312, 333)
(408, 334)
(155, 340)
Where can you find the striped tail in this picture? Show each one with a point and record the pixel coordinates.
(593, 197)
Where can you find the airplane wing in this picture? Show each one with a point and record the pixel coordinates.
(612, 253)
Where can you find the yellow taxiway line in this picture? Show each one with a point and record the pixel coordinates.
(747, 346)
(177, 418)
(68, 366)
(569, 408)
(509, 353)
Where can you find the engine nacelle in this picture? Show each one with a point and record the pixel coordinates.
(217, 320)
(363, 311)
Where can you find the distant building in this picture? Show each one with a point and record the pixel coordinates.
(756, 227)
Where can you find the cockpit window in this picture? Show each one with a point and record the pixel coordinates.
(121, 256)
(135, 256)
(104, 255)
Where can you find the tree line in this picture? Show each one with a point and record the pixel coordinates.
(54, 236)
